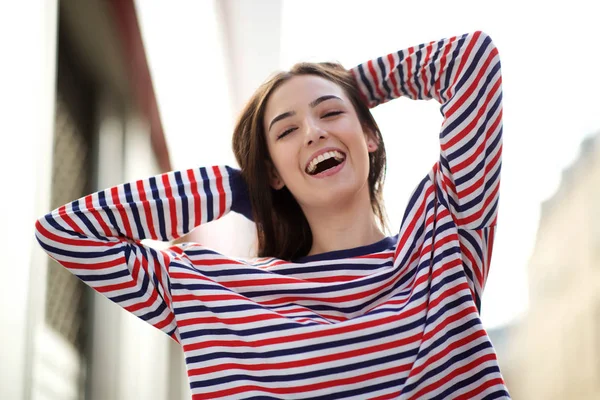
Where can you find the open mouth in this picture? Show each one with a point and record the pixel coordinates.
(324, 162)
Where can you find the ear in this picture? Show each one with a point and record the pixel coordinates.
(371, 140)
(274, 179)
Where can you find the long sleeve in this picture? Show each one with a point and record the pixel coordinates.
(463, 73)
(98, 236)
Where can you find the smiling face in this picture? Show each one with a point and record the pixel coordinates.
(316, 142)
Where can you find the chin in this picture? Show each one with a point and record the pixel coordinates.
(334, 193)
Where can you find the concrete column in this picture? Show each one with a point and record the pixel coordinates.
(105, 327)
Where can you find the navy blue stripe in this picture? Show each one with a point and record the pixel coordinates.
(468, 235)
(472, 66)
(341, 267)
(184, 202)
(393, 382)
(159, 209)
(452, 127)
(318, 307)
(154, 257)
(447, 336)
(134, 294)
(401, 80)
(136, 215)
(384, 80)
(481, 374)
(416, 73)
(376, 337)
(111, 216)
(84, 219)
(50, 220)
(497, 395)
(488, 217)
(200, 251)
(481, 130)
(313, 373)
(447, 366)
(367, 83)
(344, 286)
(208, 194)
(478, 200)
(445, 310)
(154, 313)
(418, 232)
(104, 276)
(449, 69)
(80, 254)
(416, 196)
(433, 71)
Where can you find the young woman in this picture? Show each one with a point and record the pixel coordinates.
(331, 308)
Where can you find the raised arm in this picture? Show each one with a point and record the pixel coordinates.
(98, 236)
(463, 74)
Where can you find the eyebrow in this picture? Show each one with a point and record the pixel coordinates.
(312, 104)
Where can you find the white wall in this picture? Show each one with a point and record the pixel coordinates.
(27, 79)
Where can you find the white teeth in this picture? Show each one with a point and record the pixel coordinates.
(330, 154)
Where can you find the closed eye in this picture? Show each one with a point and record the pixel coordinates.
(329, 114)
(332, 113)
(285, 133)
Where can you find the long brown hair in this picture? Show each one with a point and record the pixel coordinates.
(283, 230)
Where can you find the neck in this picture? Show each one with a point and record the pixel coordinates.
(343, 226)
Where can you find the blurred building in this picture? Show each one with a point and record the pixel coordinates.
(103, 129)
(85, 117)
(556, 348)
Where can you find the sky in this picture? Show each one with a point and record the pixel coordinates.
(551, 81)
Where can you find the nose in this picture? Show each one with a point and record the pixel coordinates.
(314, 133)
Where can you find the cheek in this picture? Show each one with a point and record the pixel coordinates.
(285, 159)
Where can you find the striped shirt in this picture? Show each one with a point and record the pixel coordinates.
(395, 319)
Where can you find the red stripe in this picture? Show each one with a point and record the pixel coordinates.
(107, 289)
(142, 305)
(449, 319)
(62, 212)
(305, 388)
(197, 201)
(392, 74)
(409, 230)
(477, 215)
(361, 89)
(172, 207)
(423, 72)
(92, 265)
(310, 335)
(165, 322)
(445, 350)
(220, 191)
(475, 265)
(409, 73)
(124, 219)
(442, 68)
(452, 374)
(488, 383)
(489, 246)
(303, 362)
(164, 288)
(147, 209)
(90, 206)
(88, 241)
(380, 95)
